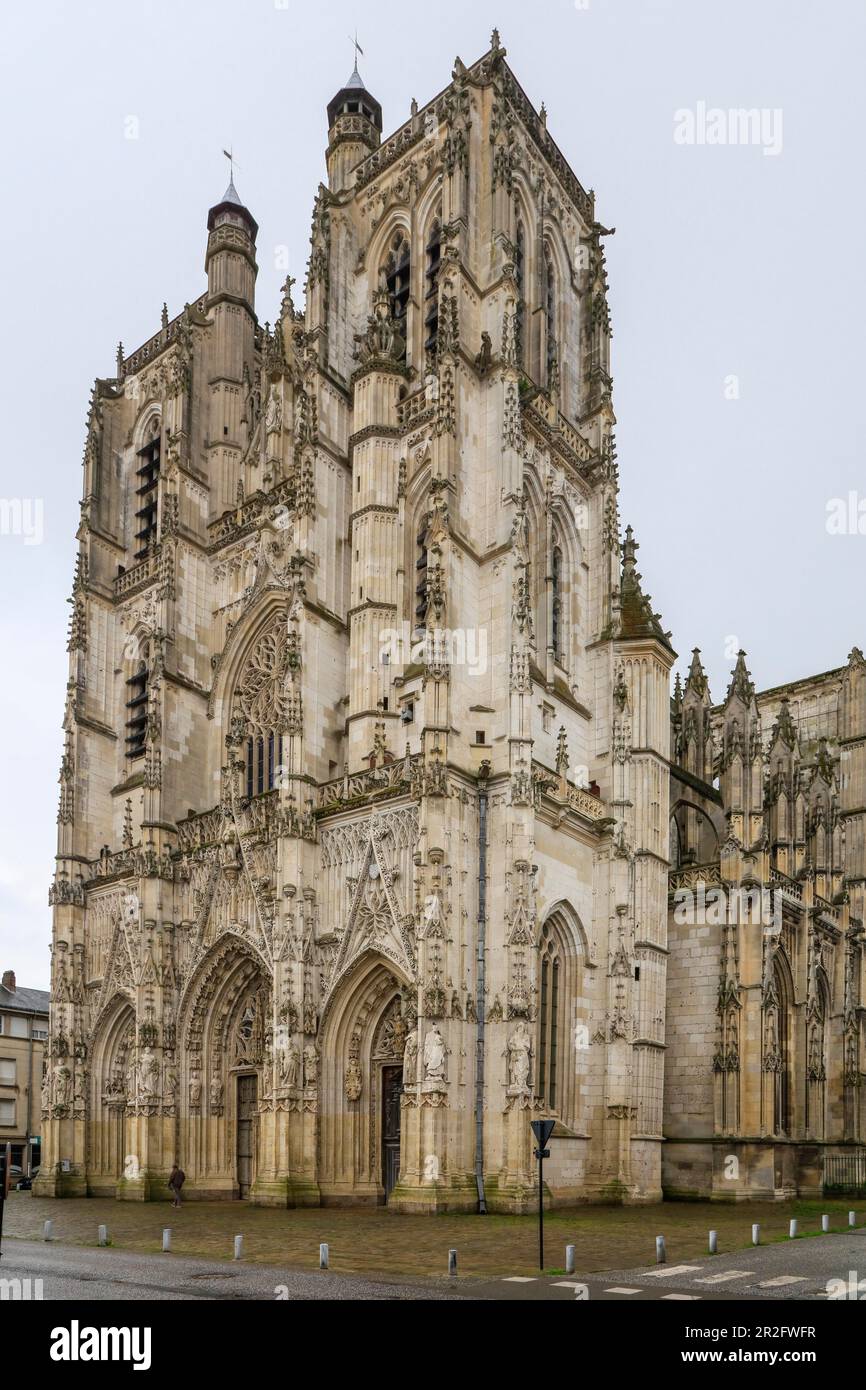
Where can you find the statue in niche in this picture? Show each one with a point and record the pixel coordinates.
(434, 1056)
(519, 1048)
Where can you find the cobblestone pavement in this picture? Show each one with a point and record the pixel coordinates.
(374, 1241)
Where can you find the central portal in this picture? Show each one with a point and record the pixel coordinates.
(392, 1089)
(248, 1091)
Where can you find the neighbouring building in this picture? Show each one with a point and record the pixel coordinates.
(23, 1037)
(764, 1074)
(363, 851)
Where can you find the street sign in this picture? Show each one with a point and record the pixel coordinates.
(542, 1129)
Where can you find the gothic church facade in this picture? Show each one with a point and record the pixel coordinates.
(364, 830)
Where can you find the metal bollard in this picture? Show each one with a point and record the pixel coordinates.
(825, 1223)
(48, 1231)
(239, 1247)
(324, 1255)
(452, 1261)
(756, 1234)
(102, 1236)
(166, 1240)
(792, 1228)
(569, 1259)
(661, 1253)
(714, 1242)
(852, 1218)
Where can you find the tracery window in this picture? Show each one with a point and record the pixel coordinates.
(264, 703)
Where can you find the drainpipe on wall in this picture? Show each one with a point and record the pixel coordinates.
(481, 946)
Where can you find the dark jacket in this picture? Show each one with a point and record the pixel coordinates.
(177, 1178)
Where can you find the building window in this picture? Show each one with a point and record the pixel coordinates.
(397, 276)
(146, 493)
(557, 979)
(7, 1112)
(433, 251)
(40, 1034)
(17, 1027)
(136, 718)
(550, 313)
(7, 1071)
(264, 760)
(421, 576)
(520, 278)
(556, 603)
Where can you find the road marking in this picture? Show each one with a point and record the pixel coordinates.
(622, 1291)
(520, 1279)
(670, 1270)
(567, 1284)
(729, 1274)
(783, 1279)
(681, 1298)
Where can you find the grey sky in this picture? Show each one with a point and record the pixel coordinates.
(726, 262)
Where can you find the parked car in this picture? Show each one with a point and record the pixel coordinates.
(25, 1184)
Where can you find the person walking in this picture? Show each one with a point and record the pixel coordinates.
(176, 1180)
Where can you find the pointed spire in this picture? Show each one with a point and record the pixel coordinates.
(637, 618)
(697, 678)
(741, 685)
(784, 728)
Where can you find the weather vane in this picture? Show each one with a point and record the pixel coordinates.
(357, 47)
(231, 159)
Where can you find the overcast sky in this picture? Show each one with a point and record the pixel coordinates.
(736, 276)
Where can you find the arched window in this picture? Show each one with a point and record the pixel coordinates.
(557, 1005)
(777, 1054)
(263, 702)
(397, 275)
(433, 252)
(520, 278)
(136, 706)
(147, 476)
(421, 562)
(556, 603)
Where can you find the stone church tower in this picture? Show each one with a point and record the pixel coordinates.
(363, 832)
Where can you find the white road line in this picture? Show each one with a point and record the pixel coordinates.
(782, 1280)
(681, 1298)
(622, 1291)
(670, 1270)
(729, 1274)
(567, 1284)
(520, 1279)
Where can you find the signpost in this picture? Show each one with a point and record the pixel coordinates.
(5, 1179)
(542, 1129)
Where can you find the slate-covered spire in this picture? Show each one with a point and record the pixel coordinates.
(637, 618)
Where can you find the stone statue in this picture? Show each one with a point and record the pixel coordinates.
(46, 1090)
(216, 1092)
(354, 1080)
(274, 413)
(410, 1058)
(62, 1082)
(290, 1065)
(311, 1067)
(434, 1056)
(519, 1047)
(148, 1073)
(195, 1090)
